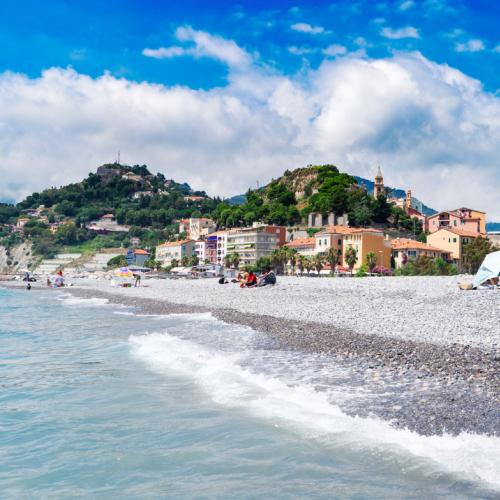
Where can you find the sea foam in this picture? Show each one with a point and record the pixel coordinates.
(303, 410)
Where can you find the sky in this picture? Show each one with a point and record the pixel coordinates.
(226, 95)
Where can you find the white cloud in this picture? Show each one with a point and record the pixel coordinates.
(308, 28)
(300, 51)
(407, 4)
(497, 49)
(335, 50)
(165, 52)
(205, 45)
(473, 45)
(429, 126)
(397, 34)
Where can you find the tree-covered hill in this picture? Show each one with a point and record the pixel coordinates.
(149, 204)
(324, 189)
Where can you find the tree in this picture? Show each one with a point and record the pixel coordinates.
(351, 257)
(174, 263)
(185, 261)
(318, 263)
(194, 260)
(332, 257)
(371, 261)
(118, 261)
(474, 253)
(300, 263)
(308, 264)
(236, 260)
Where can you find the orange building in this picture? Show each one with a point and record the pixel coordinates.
(364, 241)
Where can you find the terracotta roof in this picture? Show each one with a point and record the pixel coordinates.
(367, 230)
(174, 243)
(461, 232)
(405, 243)
(139, 251)
(336, 230)
(302, 242)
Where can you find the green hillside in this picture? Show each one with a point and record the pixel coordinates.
(324, 189)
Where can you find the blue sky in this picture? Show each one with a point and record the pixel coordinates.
(95, 36)
(224, 95)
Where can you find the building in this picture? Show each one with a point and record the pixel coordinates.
(194, 198)
(108, 172)
(331, 237)
(461, 218)
(171, 250)
(201, 227)
(196, 228)
(303, 246)
(255, 242)
(378, 188)
(200, 250)
(130, 176)
(316, 219)
(220, 238)
(367, 240)
(404, 249)
(454, 241)
(494, 237)
(21, 222)
(137, 257)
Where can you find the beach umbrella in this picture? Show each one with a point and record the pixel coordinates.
(124, 272)
(490, 268)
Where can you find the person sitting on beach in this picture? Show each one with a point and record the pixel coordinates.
(267, 278)
(249, 280)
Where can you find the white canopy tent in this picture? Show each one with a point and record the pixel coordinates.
(490, 268)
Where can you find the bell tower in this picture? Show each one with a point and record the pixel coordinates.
(378, 189)
(408, 199)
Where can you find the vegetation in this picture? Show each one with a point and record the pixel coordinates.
(371, 261)
(426, 266)
(351, 257)
(475, 252)
(118, 261)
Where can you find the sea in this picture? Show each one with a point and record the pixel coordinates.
(100, 401)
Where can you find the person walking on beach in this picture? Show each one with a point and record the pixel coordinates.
(137, 280)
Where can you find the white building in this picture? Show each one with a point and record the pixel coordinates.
(253, 243)
(201, 227)
(200, 249)
(171, 250)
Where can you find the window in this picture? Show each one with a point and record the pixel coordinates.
(340, 242)
(454, 240)
(455, 222)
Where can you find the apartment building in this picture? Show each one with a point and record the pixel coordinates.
(171, 250)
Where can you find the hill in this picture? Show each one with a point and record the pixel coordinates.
(146, 205)
(289, 199)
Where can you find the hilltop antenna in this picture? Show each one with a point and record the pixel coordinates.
(118, 161)
(257, 185)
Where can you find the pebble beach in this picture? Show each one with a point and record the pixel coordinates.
(421, 330)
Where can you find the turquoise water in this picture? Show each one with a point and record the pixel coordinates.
(100, 402)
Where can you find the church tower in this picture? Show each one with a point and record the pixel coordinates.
(408, 199)
(378, 189)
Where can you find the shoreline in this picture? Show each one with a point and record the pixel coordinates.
(468, 395)
(465, 380)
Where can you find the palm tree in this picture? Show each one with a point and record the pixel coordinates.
(174, 263)
(291, 257)
(308, 264)
(185, 261)
(371, 260)
(318, 263)
(351, 257)
(332, 257)
(300, 263)
(228, 260)
(235, 260)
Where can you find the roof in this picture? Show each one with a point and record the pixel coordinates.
(460, 232)
(108, 216)
(175, 243)
(139, 251)
(407, 244)
(336, 230)
(302, 242)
